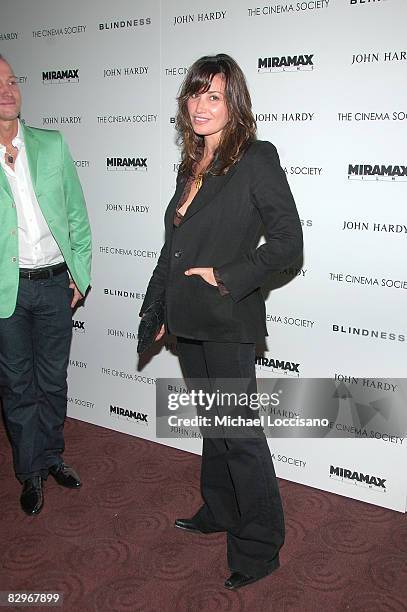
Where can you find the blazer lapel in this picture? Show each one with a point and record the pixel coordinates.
(5, 189)
(32, 150)
(171, 208)
(211, 187)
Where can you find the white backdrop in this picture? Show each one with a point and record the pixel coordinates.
(343, 107)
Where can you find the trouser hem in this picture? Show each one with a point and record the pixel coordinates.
(23, 477)
(248, 570)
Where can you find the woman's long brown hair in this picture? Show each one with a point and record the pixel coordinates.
(240, 130)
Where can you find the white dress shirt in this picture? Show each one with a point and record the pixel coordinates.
(37, 246)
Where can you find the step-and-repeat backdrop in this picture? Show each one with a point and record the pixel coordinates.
(327, 79)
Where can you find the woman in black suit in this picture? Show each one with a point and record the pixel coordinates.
(230, 187)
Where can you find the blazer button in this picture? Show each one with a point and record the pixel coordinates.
(177, 253)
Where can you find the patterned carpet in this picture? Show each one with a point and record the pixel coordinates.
(111, 546)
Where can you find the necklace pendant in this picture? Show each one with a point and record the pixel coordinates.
(198, 181)
(10, 158)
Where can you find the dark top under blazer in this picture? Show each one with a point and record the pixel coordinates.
(221, 229)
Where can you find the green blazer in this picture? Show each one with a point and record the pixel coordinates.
(60, 197)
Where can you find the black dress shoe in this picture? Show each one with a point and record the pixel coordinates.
(65, 476)
(238, 580)
(32, 498)
(193, 526)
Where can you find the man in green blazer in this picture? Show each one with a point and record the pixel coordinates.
(45, 256)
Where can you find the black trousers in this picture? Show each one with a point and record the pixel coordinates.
(34, 353)
(238, 483)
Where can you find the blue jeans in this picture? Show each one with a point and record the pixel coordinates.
(34, 353)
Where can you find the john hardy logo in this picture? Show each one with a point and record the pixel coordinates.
(129, 415)
(67, 75)
(286, 63)
(127, 208)
(190, 18)
(357, 477)
(291, 272)
(8, 36)
(377, 172)
(74, 363)
(126, 163)
(376, 56)
(278, 366)
(63, 119)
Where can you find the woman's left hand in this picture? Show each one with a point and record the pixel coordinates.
(205, 273)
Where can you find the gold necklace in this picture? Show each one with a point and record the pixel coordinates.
(199, 177)
(198, 181)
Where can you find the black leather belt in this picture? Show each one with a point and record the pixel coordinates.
(41, 273)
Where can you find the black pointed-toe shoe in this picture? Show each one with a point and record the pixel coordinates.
(238, 580)
(193, 526)
(65, 476)
(32, 497)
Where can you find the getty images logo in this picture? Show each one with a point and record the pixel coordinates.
(286, 63)
(57, 77)
(377, 172)
(357, 477)
(126, 163)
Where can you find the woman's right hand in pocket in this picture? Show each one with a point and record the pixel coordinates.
(160, 333)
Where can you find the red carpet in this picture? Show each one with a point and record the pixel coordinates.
(111, 546)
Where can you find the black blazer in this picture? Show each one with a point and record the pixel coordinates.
(221, 229)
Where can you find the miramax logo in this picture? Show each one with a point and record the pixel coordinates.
(58, 77)
(286, 63)
(377, 172)
(126, 163)
(357, 477)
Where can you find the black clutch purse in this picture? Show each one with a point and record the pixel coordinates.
(150, 325)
